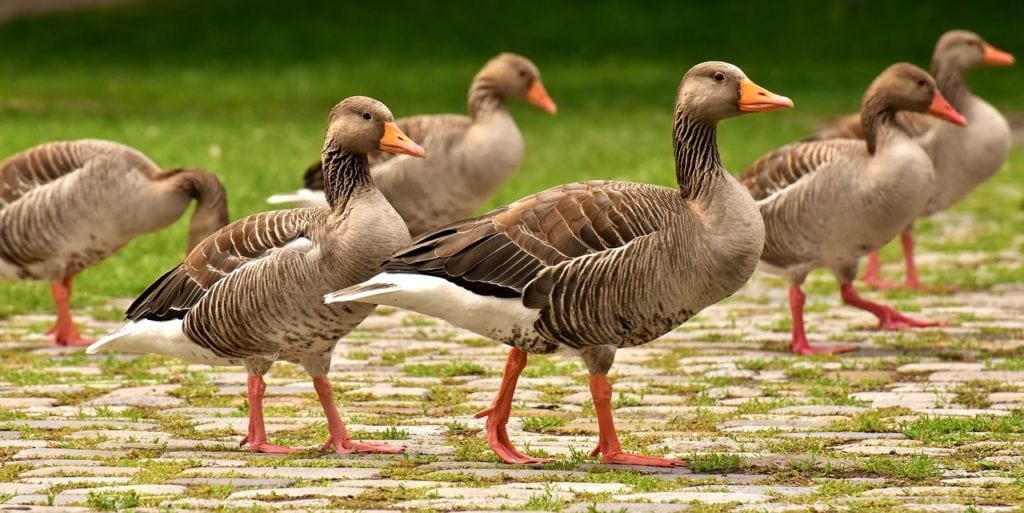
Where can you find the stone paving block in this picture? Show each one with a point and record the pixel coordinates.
(283, 472)
(78, 469)
(236, 482)
(33, 453)
(683, 496)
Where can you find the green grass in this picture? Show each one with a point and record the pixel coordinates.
(243, 88)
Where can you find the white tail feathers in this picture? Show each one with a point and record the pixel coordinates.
(157, 337)
(361, 293)
(300, 198)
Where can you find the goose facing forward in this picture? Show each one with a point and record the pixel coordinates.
(65, 206)
(828, 203)
(594, 266)
(964, 157)
(251, 293)
(470, 156)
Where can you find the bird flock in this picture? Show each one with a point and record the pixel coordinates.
(384, 218)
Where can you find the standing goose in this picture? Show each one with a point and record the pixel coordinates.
(470, 157)
(65, 206)
(828, 203)
(963, 157)
(594, 266)
(251, 293)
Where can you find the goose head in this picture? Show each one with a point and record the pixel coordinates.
(360, 125)
(716, 90)
(515, 76)
(903, 86)
(963, 50)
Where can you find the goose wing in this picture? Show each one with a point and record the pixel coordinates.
(792, 163)
(226, 251)
(504, 253)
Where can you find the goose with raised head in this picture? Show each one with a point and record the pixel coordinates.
(828, 203)
(964, 157)
(251, 293)
(594, 266)
(65, 206)
(470, 157)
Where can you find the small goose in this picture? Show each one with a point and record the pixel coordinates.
(964, 157)
(594, 266)
(67, 205)
(470, 156)
(251, 293)
(828, 203)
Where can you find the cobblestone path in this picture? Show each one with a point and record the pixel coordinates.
(928, 420)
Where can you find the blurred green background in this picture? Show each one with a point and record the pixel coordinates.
(243, 88)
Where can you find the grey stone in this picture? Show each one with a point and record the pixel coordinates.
(283, 472)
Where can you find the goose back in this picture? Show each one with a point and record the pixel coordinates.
(67, 205)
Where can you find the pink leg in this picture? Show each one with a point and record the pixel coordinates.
(608, 440)
(64, 332)
(257, 437)
(913, 281)
(799, 345)
(873, 273)
(499, 411)
(339, 437)
(888, 317)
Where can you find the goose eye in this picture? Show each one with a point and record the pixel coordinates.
(522, 73)
(920, 83)
(719, 76)
(367, 116)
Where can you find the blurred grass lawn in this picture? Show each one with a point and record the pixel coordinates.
(243, 88)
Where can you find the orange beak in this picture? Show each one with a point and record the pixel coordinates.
(395, 141)
(538, 97)
(996, 57)
(941, 109)
(754, 98)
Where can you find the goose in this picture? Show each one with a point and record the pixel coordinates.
(963, 157)
(470, 156)
(251, 293)
(67, 205)
(593, 266)
(828, 203)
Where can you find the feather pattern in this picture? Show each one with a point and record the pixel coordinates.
(468, 157)
(67, 205)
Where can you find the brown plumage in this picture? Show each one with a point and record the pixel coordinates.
(65, 206)
(251, 293)
(827, 203)
(470, 157)
(594, 266)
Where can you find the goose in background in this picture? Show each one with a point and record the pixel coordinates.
(470, 157)
(251, 293)
(593, 266)
(828, 203)
(964, 157)
(65, 206)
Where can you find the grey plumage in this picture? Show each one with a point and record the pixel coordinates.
(469, 157)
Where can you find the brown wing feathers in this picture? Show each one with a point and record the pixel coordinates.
(500, 253)
(177, 291)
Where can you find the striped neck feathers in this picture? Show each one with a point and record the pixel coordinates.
(879, 122)
(485, 98)
(344, 174)
(950, 79)
(696, 152)
(211, 212)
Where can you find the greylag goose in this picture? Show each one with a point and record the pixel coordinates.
(65, 206)
(593, 266)
(828, 203)
(963, 157)
(251, 293)
(470, 156)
